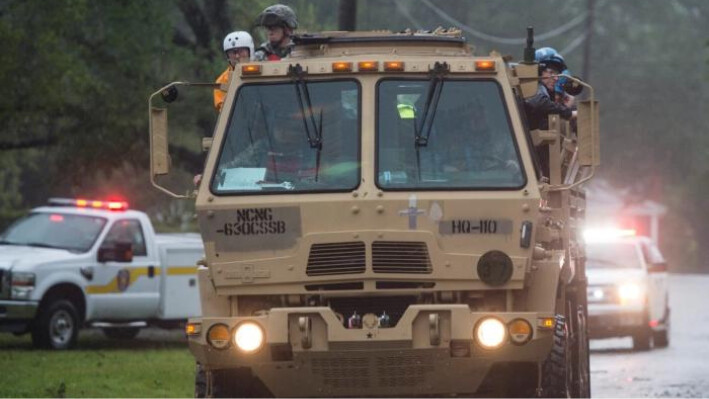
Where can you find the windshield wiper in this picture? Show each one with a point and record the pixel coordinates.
(422, 132)
(3, 242)
(297, 73)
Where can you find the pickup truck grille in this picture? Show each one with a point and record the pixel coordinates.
(400, 257)
(337, 258)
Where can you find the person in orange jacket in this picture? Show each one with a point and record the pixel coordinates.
(238, 47)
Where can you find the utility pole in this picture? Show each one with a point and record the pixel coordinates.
(586, 68)
(347, 16)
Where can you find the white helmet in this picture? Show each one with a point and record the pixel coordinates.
(239, 39)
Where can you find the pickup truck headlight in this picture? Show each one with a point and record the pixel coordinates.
(21, 285)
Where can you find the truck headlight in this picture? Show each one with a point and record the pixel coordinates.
(21, 285)
(249, 337)
(490, 333)
(630, 292)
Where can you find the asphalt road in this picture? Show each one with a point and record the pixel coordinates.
(681, 370)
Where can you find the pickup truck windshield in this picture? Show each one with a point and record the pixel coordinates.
(285, 138)
(54, 230)
(612, 255)
(466, 143)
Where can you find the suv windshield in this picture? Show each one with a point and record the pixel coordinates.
(612, 255)
(54, 230)
(289, 137)
(465, 143)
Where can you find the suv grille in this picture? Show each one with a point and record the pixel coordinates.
(400, 257)
(336, 258)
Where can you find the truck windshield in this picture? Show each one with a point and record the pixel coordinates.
(469, 142)
(276, 142)
(55, 230)
(612, 255)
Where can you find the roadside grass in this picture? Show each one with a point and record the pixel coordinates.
(157, 363)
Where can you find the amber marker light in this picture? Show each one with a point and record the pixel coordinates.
(485, 65)
(546, 323)
(251, 69)
(193, 328)
(341, 67)
(394, 66)
(368, 66)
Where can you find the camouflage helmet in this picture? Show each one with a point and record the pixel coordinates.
(277, 15)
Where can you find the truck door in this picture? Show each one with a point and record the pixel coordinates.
(126, 291)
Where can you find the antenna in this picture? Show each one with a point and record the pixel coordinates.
(529, 50)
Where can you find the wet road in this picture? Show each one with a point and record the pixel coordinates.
(681, 370)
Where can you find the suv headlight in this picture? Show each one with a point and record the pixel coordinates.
(630, 293)
(21, 285)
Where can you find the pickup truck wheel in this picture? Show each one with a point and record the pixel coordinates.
(121, 333)
(56, 326)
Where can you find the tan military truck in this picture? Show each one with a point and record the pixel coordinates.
(376, 224)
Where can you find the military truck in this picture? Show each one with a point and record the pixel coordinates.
(376, 223)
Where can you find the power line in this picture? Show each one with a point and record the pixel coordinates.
(405, 12)
(503, 40)
(574, 44)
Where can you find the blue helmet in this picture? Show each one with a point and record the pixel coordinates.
(547, 57)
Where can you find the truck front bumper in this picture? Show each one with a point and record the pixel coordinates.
(430, 351)
(15, 316)
(606, 321)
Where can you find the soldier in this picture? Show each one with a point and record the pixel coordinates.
(238, 47)
(279, 21)
(542, 104)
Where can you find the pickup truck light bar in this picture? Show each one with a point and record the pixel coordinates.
(94, 204)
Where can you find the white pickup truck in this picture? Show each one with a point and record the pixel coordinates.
(80, 263)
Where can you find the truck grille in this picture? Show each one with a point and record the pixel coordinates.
(336, 258)
(400, 257)
(387, 369)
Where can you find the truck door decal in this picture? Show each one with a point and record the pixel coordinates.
(123, 280)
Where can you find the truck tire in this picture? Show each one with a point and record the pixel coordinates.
(231, 383)
(557, 378)
(121, 333)
(661, 339)
(641, 340)
(582, 378)
(56, 326)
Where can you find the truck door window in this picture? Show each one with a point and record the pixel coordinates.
(467, 141)
(55, 230)
(127, 230)
(272, 144)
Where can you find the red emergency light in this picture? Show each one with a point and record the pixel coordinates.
(94, 204)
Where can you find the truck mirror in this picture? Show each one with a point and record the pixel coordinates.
(588, 133)
(159, 155)
(118, 252)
